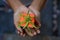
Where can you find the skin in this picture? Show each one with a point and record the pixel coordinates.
(36, 5)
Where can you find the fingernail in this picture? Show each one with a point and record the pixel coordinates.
(18, 32)
(24, 35)
(34, 33)
(38, 31)
(21, 34)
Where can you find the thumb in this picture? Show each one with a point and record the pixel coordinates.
(37, 13)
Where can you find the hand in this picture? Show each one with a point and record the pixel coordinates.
(16, 19)
(37, 13)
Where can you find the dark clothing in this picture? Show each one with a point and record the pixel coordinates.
(26, 2)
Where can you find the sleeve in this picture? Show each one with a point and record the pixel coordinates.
(5, 1)
(7, 6)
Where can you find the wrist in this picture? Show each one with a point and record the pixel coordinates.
(15, 4)
(34, 7)
(18, 7)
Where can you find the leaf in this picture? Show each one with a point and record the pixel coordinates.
(19, 26)
(29, 29)
(33, 25)
(26, 25)
(22, 22)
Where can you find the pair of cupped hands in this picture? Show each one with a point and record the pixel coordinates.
(20, 31)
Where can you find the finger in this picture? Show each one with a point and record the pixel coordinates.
(38, 23)
(20, 30)
(33, 32)
(29, 33)
(17, 27)
(24, 35)
(21, 33)
(38, 31)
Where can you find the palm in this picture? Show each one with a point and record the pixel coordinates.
(20, 30)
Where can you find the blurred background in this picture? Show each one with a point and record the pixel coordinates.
(50, 20)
